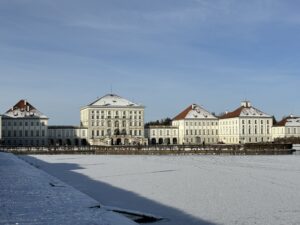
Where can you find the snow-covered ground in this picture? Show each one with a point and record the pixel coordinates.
(188, 190)
(29, 196)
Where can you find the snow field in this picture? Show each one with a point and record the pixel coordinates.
(188, 189)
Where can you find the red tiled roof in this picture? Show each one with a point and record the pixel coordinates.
(22, 104)
(183, 114)
(235, 113)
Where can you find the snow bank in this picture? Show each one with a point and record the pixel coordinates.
(31, 196)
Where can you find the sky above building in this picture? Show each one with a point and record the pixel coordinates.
(62, 55)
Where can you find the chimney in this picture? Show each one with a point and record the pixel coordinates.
(246, 104)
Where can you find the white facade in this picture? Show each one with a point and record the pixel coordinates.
(245, 125)
(113, 120)
(196, 126)
(161, 134)
(288, 127)
(24, 125)
(67, 136)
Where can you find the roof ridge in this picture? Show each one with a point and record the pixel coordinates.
(184, 113)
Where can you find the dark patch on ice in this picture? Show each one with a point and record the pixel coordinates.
(138, 218)
(55, 185)
(164, 171)
(95, 207)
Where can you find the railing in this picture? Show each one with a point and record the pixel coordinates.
(248, 149)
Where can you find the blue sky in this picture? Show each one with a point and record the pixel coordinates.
(61, 55)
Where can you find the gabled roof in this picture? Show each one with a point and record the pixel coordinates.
(112, 100)
(194, 111)
(292, 121)
(245, 110)
(24, 109)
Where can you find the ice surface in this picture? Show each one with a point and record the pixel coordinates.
(188, 190)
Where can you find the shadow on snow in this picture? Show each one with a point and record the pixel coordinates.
(109, 195)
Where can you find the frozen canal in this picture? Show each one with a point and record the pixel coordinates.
(188, 190)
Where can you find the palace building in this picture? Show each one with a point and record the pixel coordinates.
(24, 125)
(113, 120)
(245, 125)
(287, 127)
(196, 125)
